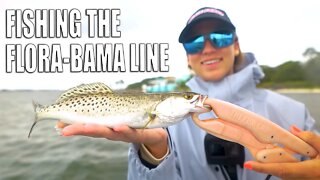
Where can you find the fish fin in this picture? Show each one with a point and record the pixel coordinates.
(151, 116)
(36, 106)
(34, 123)
(85, 89)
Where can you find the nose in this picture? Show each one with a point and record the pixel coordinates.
(208, 48)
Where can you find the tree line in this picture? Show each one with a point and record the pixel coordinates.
(291, 74)
(294, 74)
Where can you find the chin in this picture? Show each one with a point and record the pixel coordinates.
(212, 78)
(216, 75)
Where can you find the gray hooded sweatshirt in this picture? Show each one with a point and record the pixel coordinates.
(187, 158)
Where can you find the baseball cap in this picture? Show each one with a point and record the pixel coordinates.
(206, 13)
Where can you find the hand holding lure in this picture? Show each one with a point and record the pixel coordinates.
(260, 135)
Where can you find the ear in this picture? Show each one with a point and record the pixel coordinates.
(236, 48)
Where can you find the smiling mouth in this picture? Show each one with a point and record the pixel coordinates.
(213, 61)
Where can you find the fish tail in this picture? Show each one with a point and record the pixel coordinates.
(36, 107)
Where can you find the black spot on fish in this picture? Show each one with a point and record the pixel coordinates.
(264, 157)
(272, 137)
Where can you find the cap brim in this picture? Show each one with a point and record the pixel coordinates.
(184, 35)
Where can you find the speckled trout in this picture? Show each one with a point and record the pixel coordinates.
(96, 103)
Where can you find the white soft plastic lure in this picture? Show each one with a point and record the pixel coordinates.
(98, 104)
(260, 135)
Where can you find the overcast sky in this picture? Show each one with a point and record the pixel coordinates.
(275, 31)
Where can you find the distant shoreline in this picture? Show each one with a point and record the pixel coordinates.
(284, 90)
(298, 90)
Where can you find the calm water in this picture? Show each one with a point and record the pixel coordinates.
(48, 156)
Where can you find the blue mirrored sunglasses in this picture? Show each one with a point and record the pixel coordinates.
(218, 40)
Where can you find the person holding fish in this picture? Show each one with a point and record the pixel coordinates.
(244, 114)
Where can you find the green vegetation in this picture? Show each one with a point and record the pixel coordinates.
(294, 74)
(291, 74)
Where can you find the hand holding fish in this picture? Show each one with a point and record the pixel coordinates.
(154, 139)
(95, 110)
(307, 170)
(253, 131)
(97, 104)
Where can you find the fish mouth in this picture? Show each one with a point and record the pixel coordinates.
(199, 105)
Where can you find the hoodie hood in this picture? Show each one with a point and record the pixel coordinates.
(233, 88)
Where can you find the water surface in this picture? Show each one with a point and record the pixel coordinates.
(51, 157)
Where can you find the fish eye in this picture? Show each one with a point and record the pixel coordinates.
(188, 96)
